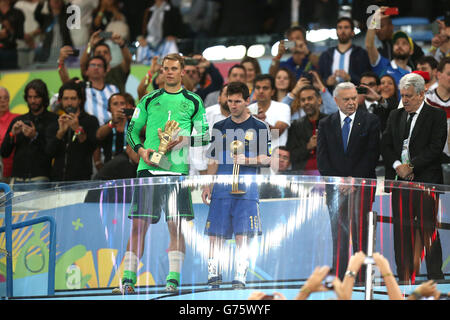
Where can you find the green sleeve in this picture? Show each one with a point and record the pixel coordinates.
(137, 122)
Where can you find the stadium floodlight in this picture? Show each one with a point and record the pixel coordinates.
(235, 52)
(214, 53)
(256, 51)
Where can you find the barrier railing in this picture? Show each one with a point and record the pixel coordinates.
(8, 229)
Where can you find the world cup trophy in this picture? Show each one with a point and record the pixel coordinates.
(237, 147)
(158, 158)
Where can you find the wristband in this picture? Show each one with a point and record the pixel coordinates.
(387, 275)
(79, 131)
(111, 124)
(350, 273)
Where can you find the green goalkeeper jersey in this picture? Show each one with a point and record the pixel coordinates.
(154, 110)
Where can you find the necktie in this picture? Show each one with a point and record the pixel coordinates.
(345, 132)
(408, 125)
(372, 107)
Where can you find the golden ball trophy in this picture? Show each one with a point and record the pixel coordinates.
(237, 147)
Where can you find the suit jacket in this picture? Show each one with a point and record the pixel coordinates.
(425, 147)
(299, 134)
(363, 148)
(382, 110)
(359, 63)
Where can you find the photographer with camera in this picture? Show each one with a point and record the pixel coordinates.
(120, 160)
(27, 138)
(72, 141)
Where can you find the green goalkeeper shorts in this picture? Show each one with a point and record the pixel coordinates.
(152, 197)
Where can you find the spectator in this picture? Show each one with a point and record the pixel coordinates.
(302, 135)
(120, 160)
(428, 64)
(11, 29)
(31, 31)
(5, 119)
(192, 69)
(27, 138)
(302, 60)
(403, 48)
(315, 284)
(412, 151)
(72, 139)
(52, 17)
(235, 74)
(215, 113)
(252, 69)
(284, 83)
(112, 133)
(373, 101)
(385, 35)
(348, 146)
(80, 36)
(346, 61)
(440, 44)
(292, 98)
(440, 96)
(200, 17)
(280, 161)
(388, 89)
(161, 27)
(276, 114)
(106, 12)
(97, 90)
(116, 75)
(426, 290)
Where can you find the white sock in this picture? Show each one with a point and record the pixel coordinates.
(130, 261)
(176, 259)
(241, 265)
(213, 268)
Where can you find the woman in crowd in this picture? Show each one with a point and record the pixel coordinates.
(284, 83)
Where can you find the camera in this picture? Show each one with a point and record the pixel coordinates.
(75, 53)
(27, 122)
(105, 35)
(328, 281)
(190, 62)
(361, 90)
(289, 45)
(71, 110)
(308, 76)
(128, 112)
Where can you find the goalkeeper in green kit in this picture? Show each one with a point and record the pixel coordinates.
(170, 114)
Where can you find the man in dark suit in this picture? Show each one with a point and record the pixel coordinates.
(302, 135)
(348, 146)
(411, 147)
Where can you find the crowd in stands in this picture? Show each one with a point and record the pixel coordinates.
(80, 133)
(291, 98)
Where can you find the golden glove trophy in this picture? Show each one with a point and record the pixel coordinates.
(237, 147)
(170, 132)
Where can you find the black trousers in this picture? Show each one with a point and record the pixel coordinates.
(349, 212)
(414, 213)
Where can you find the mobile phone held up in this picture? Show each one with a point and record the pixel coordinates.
(391, 11)
(289, 45)
(361, 90)
(128, 112)
(75, 53)
(105, 35)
